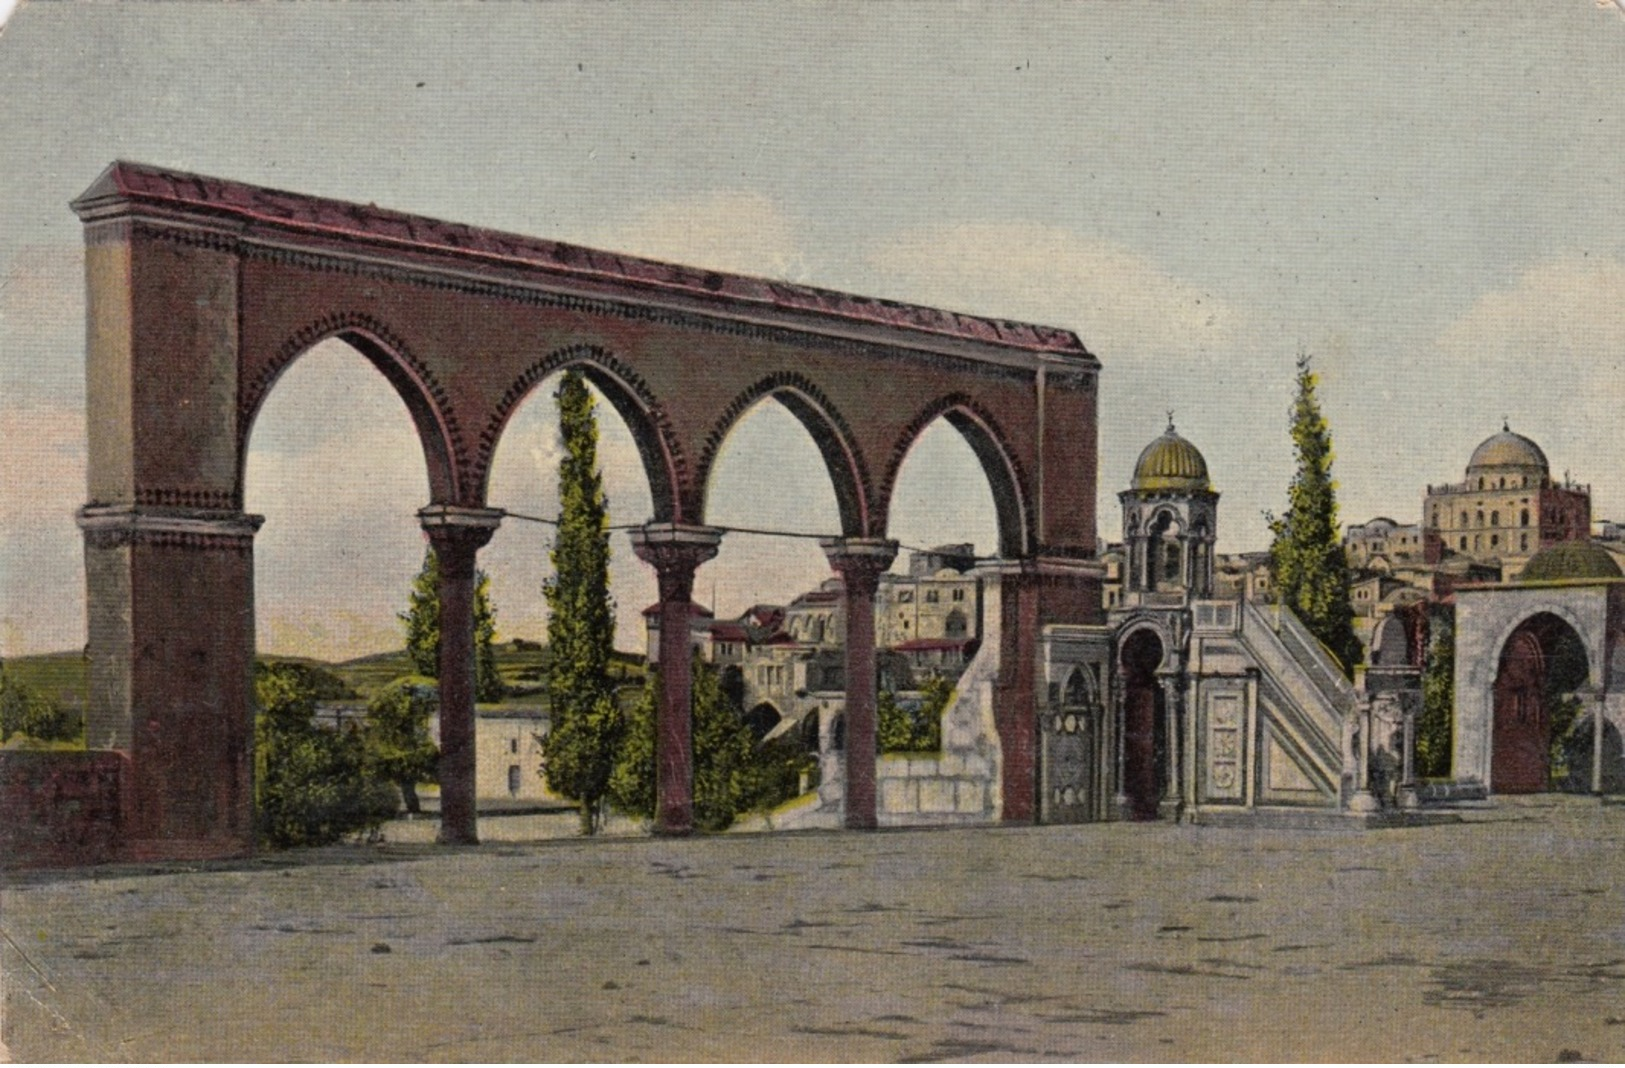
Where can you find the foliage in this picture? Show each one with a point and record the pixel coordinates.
(1433, 726)
(26, 711)
(1565, 673)
(396, 737)
(1307, 564)
(488, 684)
(732, 774)
(323, 685)
(586, 726)
(422, 619)
(913, 726)
(312, 786)
(632, 778)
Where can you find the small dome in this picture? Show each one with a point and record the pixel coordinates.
(1571, 560)
(1507, 449)
(1171, 463)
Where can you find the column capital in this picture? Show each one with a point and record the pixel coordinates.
(675, 551)
(860, 560)
(655, 543)
(451, 527)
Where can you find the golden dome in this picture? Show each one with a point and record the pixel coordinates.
(1571, 560)
(1171, 463)
(1507, 449)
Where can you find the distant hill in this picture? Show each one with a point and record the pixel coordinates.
(522, 665)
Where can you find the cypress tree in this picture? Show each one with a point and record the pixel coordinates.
(1307, 563)
(585, 723)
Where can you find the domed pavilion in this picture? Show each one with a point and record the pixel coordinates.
(1506, 509)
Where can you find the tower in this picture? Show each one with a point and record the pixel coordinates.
(1170, 516)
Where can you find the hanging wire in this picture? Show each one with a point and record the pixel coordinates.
(757, 531)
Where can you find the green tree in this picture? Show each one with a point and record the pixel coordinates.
(396, 736)
(731, 773)
(422, 619)
(27, 712)
(586, 724)
(1307, 563)
(1433, 741)
(913, 726)
(311, 785)
(632, 775)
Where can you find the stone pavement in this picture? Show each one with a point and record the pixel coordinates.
(1498, 939)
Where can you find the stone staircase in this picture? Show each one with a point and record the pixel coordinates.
(959, 785)
(1306, 692)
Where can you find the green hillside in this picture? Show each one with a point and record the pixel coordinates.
(522, 665)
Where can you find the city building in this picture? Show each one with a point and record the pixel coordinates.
(1506, 509)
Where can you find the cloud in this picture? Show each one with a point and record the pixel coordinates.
(44, 286)
(41, 559)
(1118, 300)
(734, 231)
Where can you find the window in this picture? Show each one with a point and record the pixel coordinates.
(513, 779)
(1464, 520)
(1495, 519)
(1481, 517)
(930, 596)
(1523, 518)
(1523, 544)
(959, 594)
(1463, 544)
(1495, 539)
(513, 745)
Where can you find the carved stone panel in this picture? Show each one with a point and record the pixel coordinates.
(1225, 764)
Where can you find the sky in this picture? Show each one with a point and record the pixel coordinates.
(1425, 198)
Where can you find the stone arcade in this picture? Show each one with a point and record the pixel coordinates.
(203, 291)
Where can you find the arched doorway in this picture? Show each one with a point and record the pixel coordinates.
(1145, 732)
(1541, 665)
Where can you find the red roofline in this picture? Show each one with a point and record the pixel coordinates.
(277, 210)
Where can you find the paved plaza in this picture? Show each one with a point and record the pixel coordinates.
(1502, 938)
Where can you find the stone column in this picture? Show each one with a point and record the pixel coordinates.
(860, 563)
(1172, 699)
(457, 535)
(1599, 723)
(1119, 791)
(171, 648)
(675, 552)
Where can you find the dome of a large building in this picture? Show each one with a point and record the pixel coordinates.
(1508, 450)
(1571, 560)
(1171, 463)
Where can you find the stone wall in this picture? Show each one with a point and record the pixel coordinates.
(59, 808)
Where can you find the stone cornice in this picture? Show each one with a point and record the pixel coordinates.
(113, 525)
(232, 214)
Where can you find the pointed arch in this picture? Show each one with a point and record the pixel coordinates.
(830, 433)
(1011, 490)
(632, 399)
(425, 398)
